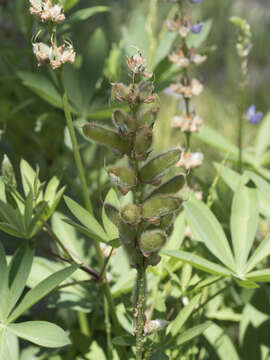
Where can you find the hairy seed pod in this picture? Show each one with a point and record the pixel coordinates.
(159, 206)
(120, 92)
(131, 214)
(127, 234)
(152, 241)
(123, 177)
(147, 117)
(166, 221)
(123, 121)
(153, 260)
(143, 143)
(171, 186)
(152, 171)
(146, 89)
(107, 137)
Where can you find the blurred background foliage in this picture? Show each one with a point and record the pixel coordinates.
(32, 124)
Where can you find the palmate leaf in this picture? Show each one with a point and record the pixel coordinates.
(41, 290)
(259, 275)
(210, 231)
(244, 222)
(198, 262)
(261, 252)
(9, 347)
(86, 219)
(40, 333)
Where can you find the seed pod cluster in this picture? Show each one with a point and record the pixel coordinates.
(144, 223)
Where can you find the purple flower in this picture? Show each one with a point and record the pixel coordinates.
(196, 1)
(252, 116)
(197, 28)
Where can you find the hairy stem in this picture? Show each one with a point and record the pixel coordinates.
(140, 310)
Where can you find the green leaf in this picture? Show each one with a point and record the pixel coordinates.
(262, 185)
(18, 271)
(3, 282)
(42, 86)
(111, 229)
(11, 230)
(28, 177)
(261, 252)
(231, 178)
(86, 219)
(125, 340)
(259, 275)
(40, 333)
(262, 138)
(198, 262)
(28, 210)
(164, 47)
(41, 290)
(244, 222)
(84, 14)
(182, 316)
(12, 217)
(192, 333)
(209, 230)
(9, 347)
(51, 190)
(36, 222)
(2, 190)
(221, 343)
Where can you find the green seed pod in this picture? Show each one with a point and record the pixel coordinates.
(157, 207)
(127, 234)
(143, 142)
(152, 241)
(107, 137)
(166, 221)
(152, 171)
(123, 177)
(131, 214)
(147, 117)
(123, 121)
(171, 186)
(8, 174)
(153, 260)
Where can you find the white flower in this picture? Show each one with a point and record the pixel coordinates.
(187, 123)
(42, 52)
(45, 11)
(190, 160)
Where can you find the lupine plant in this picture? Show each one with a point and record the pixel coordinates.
(111, 248)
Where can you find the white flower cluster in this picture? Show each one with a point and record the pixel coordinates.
(54, 55)
(44, 10)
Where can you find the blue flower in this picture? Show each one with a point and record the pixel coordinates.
(196, 1)
(252, 116)
(197, 28)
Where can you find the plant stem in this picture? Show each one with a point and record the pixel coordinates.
(139, 310)
(80, 168)
(108, 330)
(74, 142)
(241, 130)
(82, 320)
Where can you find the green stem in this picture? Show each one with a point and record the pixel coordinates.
(240, 131)
(108, 330)
(83, 323)
(140, 310)
(74, 142)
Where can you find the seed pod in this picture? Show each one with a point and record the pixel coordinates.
(153, 260)
(166, 221)
(159, 206)
(143, 142)
(146, 89)
(152, 241)
(123, 121)
(107, 137)
(155, 325)
(120, 92)
(171, 186)
(131, 214)
(152, 171)
(127, 234)
(147, 117)
(123, 177)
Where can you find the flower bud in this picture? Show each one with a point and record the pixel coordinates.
(155, 325)
(143, 143)
(123, 177)
(107, 137)
(155, 168)
(159, 206)
(131, 214)
(123, 121)
(171, 186)
(8, 174)
(152, 241)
